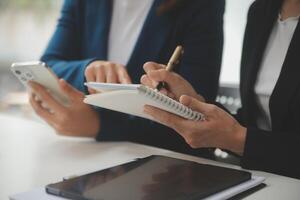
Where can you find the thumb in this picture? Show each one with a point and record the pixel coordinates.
(195, 104)
(149, 66)
(70, 91)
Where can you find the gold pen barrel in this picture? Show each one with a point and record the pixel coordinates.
(175, 58)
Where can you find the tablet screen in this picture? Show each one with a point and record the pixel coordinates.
(154, 177)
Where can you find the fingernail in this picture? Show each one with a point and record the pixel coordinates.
(62, 81)
(147, 63)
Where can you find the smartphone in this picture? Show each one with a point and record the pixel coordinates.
(39, 72)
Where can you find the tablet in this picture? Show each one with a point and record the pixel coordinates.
(154, 177)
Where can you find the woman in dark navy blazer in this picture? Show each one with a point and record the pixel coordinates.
(81, 39)
(271, 57)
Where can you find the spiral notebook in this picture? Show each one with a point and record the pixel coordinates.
(131, 98)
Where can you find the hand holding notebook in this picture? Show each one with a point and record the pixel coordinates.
(131, 98)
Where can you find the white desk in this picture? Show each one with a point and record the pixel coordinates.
(31, 155)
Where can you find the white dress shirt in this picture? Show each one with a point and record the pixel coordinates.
(128, 17)
(272, 63)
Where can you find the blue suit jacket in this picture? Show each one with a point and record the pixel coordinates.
(81, 37)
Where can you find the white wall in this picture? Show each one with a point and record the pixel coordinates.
(25, 32)
(235, 21)
(25, 35)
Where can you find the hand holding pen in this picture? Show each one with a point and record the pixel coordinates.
(170, 83)
(174, 60)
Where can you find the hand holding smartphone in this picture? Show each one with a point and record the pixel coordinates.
(39, 72)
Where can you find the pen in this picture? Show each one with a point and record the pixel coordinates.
(174, 60)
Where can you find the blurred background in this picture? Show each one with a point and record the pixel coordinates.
(27, 25)
(25, 28)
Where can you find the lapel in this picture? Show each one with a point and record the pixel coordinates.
(287, 83)
(98, 25)
(261, 34)
(150, 42)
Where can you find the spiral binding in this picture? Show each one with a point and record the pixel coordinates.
(178, 108)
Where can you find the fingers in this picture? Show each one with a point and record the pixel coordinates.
(173, 80)
(107, 72)
(73, 94)
(101, 74)
(164, 75)
(152, 84)
(151, 66)
(111, 75)
(157, 72)
(90, 76)
(123, 76)
(95, 72)
(145, 80)
(45, 97)
(39, 110)
(116, 73)
(208, 110)
(154, 77)
(165, 118)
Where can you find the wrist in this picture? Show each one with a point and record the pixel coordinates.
(238, 140)
(95, 125)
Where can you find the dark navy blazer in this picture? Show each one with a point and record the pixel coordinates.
(81, 37)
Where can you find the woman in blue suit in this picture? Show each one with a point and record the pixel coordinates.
(109, 41)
